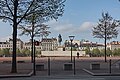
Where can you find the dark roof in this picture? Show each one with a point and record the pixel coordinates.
(3, 42)
(12, 39)
(48, 39)
(29, 43)
(90, 44)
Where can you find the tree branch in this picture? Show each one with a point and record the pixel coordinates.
(6, 17)
(26, 12)
(9, 8)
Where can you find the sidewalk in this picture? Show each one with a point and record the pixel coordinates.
(23, 70)
(82, 68)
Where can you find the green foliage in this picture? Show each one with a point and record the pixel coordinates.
(25, 52)
(96, 52)
(18, 51)
(87, 50)
(38, 53)
(6, 52)
(1, 53)
(74, 49)
(109, 52)
(102, 52)
(116, 52)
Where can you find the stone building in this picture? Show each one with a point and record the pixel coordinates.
(28, 45)
(91, 45)
(81, 45)
(113, 45)
(49, 44)
(9, 44)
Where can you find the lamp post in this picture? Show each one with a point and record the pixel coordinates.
(36, 43)
(34, 68)
(71, 39)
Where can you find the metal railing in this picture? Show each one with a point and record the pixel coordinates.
(115, 62)
(112, 64)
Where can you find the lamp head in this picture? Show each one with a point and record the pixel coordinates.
(71, 38)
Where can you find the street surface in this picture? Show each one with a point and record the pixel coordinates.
(56, 68)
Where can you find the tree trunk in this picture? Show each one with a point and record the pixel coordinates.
(32, 42)
(105, 50)
(105, 42)
(14, 64)
(32, 50)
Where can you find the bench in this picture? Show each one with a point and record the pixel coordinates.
(68, 66)
(39, 67)
(6, 62)
(95, 66)
(20, 61)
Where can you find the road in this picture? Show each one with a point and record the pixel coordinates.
(85, 77)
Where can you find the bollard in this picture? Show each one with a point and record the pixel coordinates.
(48, 66)
(74, 66)
(110, 66)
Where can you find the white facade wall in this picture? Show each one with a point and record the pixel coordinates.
(19, 44)
(9, 44)
(112, 46)
(91, 48)
(29, 47)
(62, 53)
(3, 46)
(49, 44)
(101, 47)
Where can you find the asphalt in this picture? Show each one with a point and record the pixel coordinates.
(82, 70)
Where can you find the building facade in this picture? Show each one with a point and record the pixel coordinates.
(19, 44)
(81, 45)
(9, 44)
(113, 45)
(91, 45)
(28, 45)
(4, 45)
(49, 44)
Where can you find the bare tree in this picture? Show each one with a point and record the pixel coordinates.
(34, 30)
(15, 11)
(106, 28)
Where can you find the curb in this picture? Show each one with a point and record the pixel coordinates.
(101, 74)
(17, 75)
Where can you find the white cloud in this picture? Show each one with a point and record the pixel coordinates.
(61, 27)
(86, 26)
(5, 38)
(66, 27)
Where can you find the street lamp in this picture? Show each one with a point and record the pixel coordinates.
(71, 39)
(36, 43)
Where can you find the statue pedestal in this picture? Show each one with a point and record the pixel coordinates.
(61, 48)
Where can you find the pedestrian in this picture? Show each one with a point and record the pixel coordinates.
(77, 54)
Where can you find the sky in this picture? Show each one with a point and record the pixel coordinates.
(78, 19)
